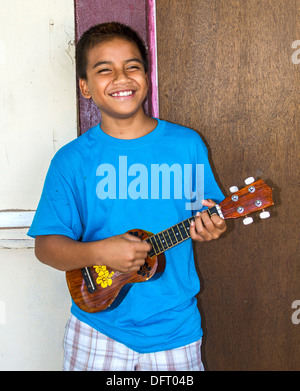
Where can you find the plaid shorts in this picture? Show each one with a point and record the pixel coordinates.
(85, 349)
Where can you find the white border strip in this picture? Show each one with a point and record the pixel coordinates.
(15, 238)
(16, 219)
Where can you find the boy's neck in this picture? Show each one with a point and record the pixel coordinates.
(128, 128)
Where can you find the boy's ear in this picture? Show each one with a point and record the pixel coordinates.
(84, 89)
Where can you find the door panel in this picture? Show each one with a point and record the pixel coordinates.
(230, 70)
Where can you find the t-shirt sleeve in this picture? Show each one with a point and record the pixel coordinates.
(57, 212)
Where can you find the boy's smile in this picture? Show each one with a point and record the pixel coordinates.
(116, 79)
(123, 94)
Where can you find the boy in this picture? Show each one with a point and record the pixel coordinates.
(103, 184)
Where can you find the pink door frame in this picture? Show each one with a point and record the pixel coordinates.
(140, 15)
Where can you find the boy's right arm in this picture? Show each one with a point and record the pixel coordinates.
(124, 253)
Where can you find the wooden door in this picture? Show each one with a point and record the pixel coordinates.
(230, 70)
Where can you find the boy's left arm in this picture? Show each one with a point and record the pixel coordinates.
(207, 228)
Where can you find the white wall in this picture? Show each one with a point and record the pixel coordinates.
(37, 116)
(35, 304)
(37, 93)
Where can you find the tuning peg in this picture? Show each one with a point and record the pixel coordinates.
(248, 220)
(264, 214)
(249, 180)
(233, 189)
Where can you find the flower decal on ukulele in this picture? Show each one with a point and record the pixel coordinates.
(144, 270)
(104, 276)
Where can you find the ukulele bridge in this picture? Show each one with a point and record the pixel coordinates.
(88, 279)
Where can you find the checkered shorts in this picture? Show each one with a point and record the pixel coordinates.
(88, 350)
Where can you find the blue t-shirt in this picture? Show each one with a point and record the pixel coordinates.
(98, 186)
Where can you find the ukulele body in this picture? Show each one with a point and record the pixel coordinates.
(98, 288)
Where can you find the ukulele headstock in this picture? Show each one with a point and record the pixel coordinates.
(256, 196)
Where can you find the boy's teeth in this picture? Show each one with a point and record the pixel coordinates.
(122, 93)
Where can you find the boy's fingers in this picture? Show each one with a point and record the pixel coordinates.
(210, 203)
(218, 222)
(195, 233)
(206, 228)
(140, 244)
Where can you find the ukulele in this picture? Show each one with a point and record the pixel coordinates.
(99, 288)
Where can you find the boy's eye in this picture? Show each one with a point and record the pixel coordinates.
(129, 68)
(104, 70)
(133, 67)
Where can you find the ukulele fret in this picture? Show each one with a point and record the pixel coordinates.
(155, 248)
(163, 240)
(177, 233)
(183, 231)
(159, 243)
(186, 229)
(170, 237)
(187, 224)
(174, 235)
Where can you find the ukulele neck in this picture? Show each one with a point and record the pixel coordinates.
(176, 234)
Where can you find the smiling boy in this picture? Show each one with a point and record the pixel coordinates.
(78, 224)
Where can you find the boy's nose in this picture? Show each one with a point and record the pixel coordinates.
(120, 77)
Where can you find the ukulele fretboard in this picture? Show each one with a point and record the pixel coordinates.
(174, 235)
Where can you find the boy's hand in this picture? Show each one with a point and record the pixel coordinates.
(207, 228)
(125, 253)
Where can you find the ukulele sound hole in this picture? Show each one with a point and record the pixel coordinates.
(144, 270)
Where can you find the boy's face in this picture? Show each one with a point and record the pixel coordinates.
(116, 79)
